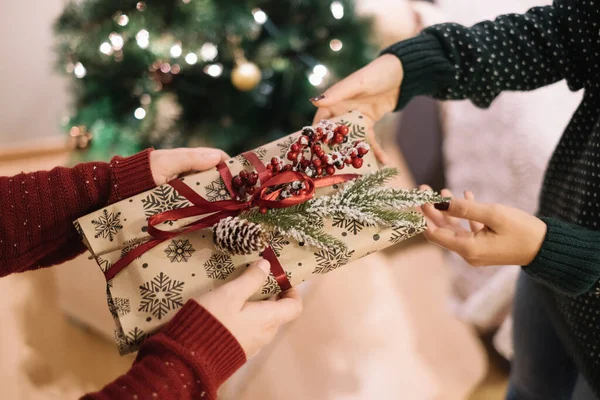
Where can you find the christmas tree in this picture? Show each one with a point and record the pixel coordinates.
(231, 74)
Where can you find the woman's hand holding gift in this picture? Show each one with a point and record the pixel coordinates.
(167, 165)
(498, 235)
(253, 324)
(372, 90)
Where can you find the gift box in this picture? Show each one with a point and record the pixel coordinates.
(310, 203)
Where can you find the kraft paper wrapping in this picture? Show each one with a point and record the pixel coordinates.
(149, 292)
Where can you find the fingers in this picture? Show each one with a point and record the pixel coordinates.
(284, 310)
(380, 154)
(199, 159)
(475, 226)
(487, 214)
(346, 89)
(322, 113)
(250, 281)
(434, 217)
(459, 242)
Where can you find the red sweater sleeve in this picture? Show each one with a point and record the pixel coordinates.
(193, 354)
(188, 360)
(37, 210)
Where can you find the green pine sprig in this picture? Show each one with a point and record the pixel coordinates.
(365, 200)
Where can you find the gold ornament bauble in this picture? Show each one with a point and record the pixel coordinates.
(246, 76)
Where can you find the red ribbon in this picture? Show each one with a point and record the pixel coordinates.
(215, 211)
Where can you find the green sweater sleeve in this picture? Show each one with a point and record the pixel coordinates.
(513, 52)
(569, 260)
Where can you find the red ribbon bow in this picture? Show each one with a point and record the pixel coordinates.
(215, 211)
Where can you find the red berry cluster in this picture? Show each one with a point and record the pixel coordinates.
(245, 183)
(307, 156)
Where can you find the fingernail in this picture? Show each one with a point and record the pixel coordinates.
(317, 98)
(265, 266)
(443, 206)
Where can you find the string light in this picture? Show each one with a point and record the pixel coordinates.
(214, 70)
(176, 50)
(191, 58)
(336, 45)
(320, 70)
(123, 20)
(106, 48)
(165, 68)
(141, 6)
(79, 70)
(337, 9)
(143, 38)
(315, 79)
(145, 99)
(116, 40)
(139, 113)
(186, 1)
(259, 16)
(209, 52)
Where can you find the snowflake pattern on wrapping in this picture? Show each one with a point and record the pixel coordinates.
(260, 153)
(271, 287)
(217, 191)
(119, 306)
(103, 263)
(286, 144)
(163, 198)
(179, 250)
(129, 245)
(161, 295)
(329, 259)
(78, 227)
(131, 341)
(353, 226)
(107, 225)
(277, 242)
(219, 266)
(405, 232)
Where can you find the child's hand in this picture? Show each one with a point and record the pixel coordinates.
(499, 235)
(254, 324)
(372, 90)
(167, 165)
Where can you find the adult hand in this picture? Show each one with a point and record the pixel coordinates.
(167, 165)
(372, 90)
(254, 324)
(499, 235)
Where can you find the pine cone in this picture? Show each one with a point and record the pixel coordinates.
(234, 235)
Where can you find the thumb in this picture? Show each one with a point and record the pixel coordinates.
(346, 89)
(470, 210)
(199, 159)
(251, 280)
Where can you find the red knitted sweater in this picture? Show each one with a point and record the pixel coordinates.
(193, 355)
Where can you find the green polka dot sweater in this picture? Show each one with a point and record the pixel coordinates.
(525, 52)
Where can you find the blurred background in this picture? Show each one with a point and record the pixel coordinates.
(89, 79)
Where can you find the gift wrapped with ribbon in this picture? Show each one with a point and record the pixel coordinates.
(308, 203)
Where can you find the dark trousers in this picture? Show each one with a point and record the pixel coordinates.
(541, 368)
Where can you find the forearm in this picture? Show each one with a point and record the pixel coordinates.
(569, 260)
(513, 52)
(188, 360)
(38, 209)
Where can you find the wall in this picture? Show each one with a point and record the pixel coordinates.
(34, 97)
